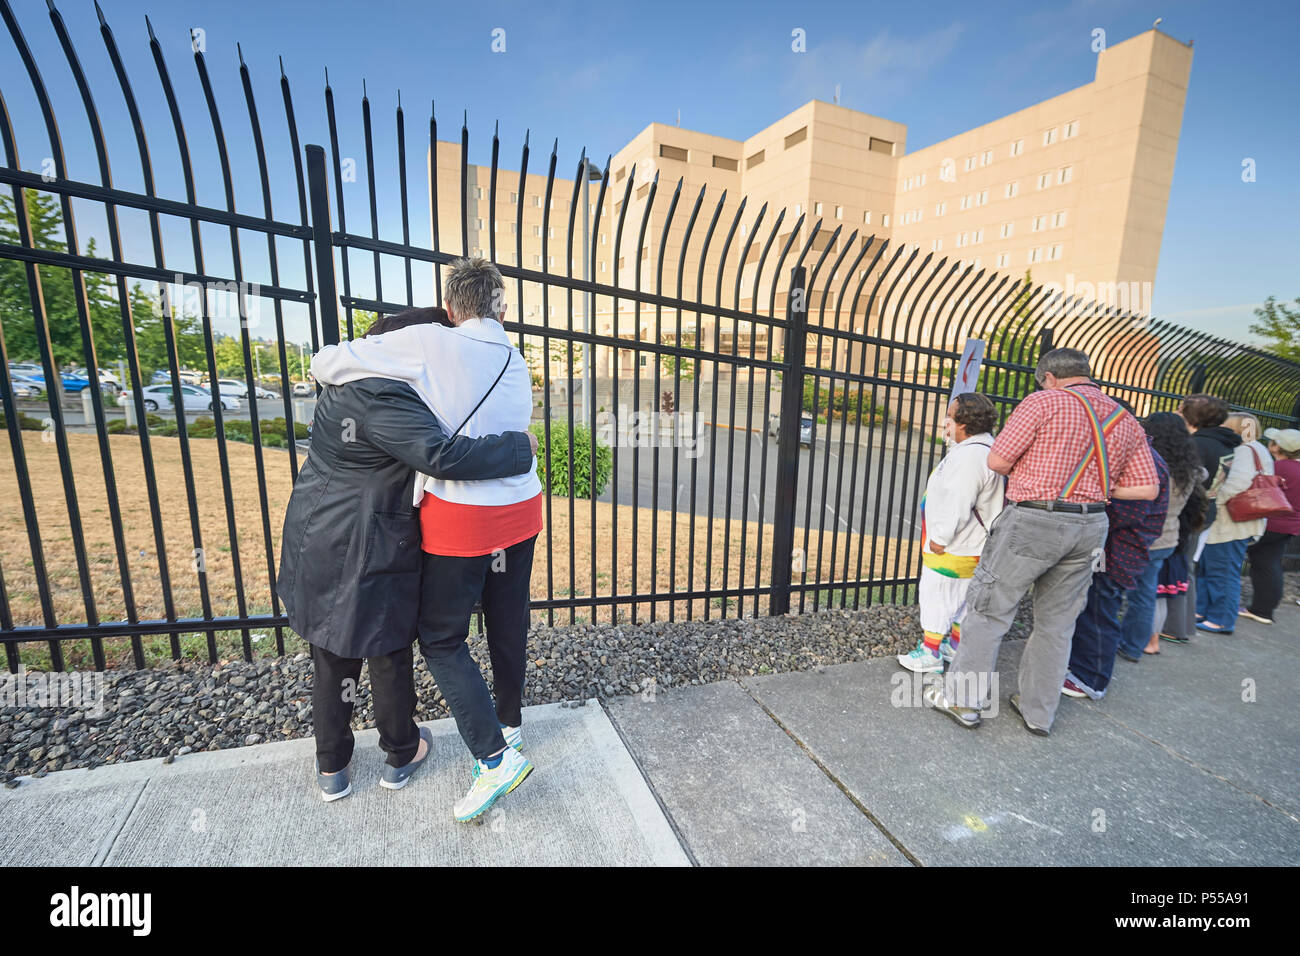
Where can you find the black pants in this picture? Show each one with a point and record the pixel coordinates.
(1266, 572)
(451, 587)
(333, 691)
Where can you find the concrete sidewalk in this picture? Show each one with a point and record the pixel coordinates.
(259, 806)
(1192, 759)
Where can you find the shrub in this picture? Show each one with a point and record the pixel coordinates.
(844, 405)
(558, 457)
(118, 427)
(25, 422)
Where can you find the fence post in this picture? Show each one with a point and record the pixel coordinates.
(323, 243)
(787, 453)
(1044, 346)
(1197, 383)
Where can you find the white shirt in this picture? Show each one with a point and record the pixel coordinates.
(450, 369)
(962, 484)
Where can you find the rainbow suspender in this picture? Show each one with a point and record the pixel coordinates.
(1100, 429)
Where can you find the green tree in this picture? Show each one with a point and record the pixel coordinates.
(1012, 341)
(16, 310)
(1279, 326)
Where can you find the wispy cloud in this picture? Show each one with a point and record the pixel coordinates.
(886, 65)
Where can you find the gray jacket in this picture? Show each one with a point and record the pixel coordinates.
(350, 553)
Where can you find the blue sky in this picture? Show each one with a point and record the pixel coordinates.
(595, 75)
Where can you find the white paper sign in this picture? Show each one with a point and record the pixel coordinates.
(968, 369)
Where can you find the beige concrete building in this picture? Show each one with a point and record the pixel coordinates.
(1073, 189)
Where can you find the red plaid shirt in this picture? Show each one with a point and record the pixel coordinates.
(1049, 432)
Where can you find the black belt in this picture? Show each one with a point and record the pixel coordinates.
(1071, 507)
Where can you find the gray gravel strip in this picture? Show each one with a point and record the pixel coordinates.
(186, 707)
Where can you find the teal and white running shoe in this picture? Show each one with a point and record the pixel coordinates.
(491, 784)
(947, 651)
(921, 660)
(514, 738)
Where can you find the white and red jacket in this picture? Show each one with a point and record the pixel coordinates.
(451, 369)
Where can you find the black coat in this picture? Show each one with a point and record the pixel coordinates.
(350, 553)
(1213, 445)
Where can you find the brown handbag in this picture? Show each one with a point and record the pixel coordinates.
(1263, 499)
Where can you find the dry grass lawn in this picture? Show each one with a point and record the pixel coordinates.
(559, 578)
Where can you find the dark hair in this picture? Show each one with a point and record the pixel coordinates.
(1169, 437)
(428, 315)
(975, 413)
(1204, 411)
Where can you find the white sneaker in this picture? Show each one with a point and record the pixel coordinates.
(514, 737)
(492, 783)
(920, 660)
(947, 651)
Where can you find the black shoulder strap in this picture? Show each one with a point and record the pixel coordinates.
(485, 394)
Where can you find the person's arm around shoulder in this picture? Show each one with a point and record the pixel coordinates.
(390, 355)
(400, 424)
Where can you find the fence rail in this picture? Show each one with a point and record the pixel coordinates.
(161, 540)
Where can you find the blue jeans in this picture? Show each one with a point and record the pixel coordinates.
(1096, 636)
(1218, 582)
(1135, 629)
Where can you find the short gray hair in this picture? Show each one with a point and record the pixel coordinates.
(473, 289)
(1063, 363)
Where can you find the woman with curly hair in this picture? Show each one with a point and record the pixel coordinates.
(1165, 580)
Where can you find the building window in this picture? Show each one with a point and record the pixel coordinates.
(961, 240)
(839, 212)
(1058, 219)
(642, 191)
(618, 176)
(798, 209)
(478, 223)
(537, 260)
(923, 179)
(884, 220)
(977, 237)
(1007, 229)
(537, 230)
(1035, 255)
(672, 152)
(478, 192)
(1040, 223)
(940, 208)
(936, 245)
(1054, 252)
(1065, 174)
(881, 146)
(1004, 260)
(983, 197)
(755, 159)
(1013, 190)
(724, 162)
(965, 202)
(797, 137)
(866, 218)
(1071, 129)
(550, 232)
(1044, 180)
(970, 164)
(537, 201)
(1049, 136)
(1017, 147)
(986, 157)
(817, 209)
(513, 228)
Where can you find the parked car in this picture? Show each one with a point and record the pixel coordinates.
(195, 398)
(304, 389)
(108, 382)
(238, 389)
(805, 428)
(27, 387)
(73, 384)
(187, 376)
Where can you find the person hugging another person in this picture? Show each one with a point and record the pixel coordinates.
(962, 497)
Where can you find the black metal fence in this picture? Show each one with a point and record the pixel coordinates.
(709, 506)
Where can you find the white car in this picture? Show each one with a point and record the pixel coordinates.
(26, 387)
(304, 389)
(108, 382)
(195, 398)
(234, 387)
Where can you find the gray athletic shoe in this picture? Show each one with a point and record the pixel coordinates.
(333, 786)
(395, 778)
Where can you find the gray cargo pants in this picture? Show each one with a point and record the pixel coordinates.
(1051, 552)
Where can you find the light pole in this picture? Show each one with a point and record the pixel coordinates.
(589, 174)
